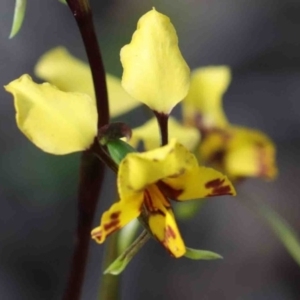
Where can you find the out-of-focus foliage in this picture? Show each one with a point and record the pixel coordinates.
(20, 8)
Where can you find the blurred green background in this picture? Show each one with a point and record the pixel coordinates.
(260, 40)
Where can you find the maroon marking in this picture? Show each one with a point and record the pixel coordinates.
(115, 215)
(148, 201)
(262, 160)
(111, 225)
(217, 157)
(169, 233)
(97, 235)
(157, 212)
(169, 191)
(218, 188)
(214, 183)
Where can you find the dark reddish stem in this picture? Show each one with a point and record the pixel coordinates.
(91, 179)
(83, 16)
(91, 168)
(162, 120)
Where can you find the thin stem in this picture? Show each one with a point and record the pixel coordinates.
(91, 179)
(162, 120)
(109, 289)
(136, 245)
(83, 16)
(91, 168)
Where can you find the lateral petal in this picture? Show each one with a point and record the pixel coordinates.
(197, 182)
(70, 74)
(119, 215)
(203, 107)
(55, 121)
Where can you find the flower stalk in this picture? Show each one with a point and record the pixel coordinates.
(91, 169)
(83, 16)
(162, 120)
(91, 179)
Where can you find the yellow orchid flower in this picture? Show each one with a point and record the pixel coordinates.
(236, 151)
(155, 72)
(239, 152)
(70, 74)
(62, 118)
(148, 133)
(147, 180)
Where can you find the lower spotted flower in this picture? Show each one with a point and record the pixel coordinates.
(146, 182)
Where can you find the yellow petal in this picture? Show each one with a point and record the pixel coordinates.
(155, 72)
(70, 74)
(55, 121)
(162, 223)
(250, 154)
(197, 182)
(119, 214)
(240, 152)
(149, 134)
(204, 100)
(138, 170)
(213, 146)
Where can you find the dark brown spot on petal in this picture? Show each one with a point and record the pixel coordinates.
(218, 188)
(217, 158)
(168, 191)
(115, 215)
(214, 183)
(148, 201)
(97, 235)
(111, 225)
(264, 160)
(150, 208)
(169, 233)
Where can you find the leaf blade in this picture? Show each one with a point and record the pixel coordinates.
(19, 14)
(197, 254)
(283, 231)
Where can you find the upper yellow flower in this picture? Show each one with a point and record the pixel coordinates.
(234, 150)
(155, 72)
(70, 74)
(62, 118)
(148, 180)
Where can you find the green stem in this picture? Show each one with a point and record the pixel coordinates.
(136, 245)
(109, 289)
(120, 263)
